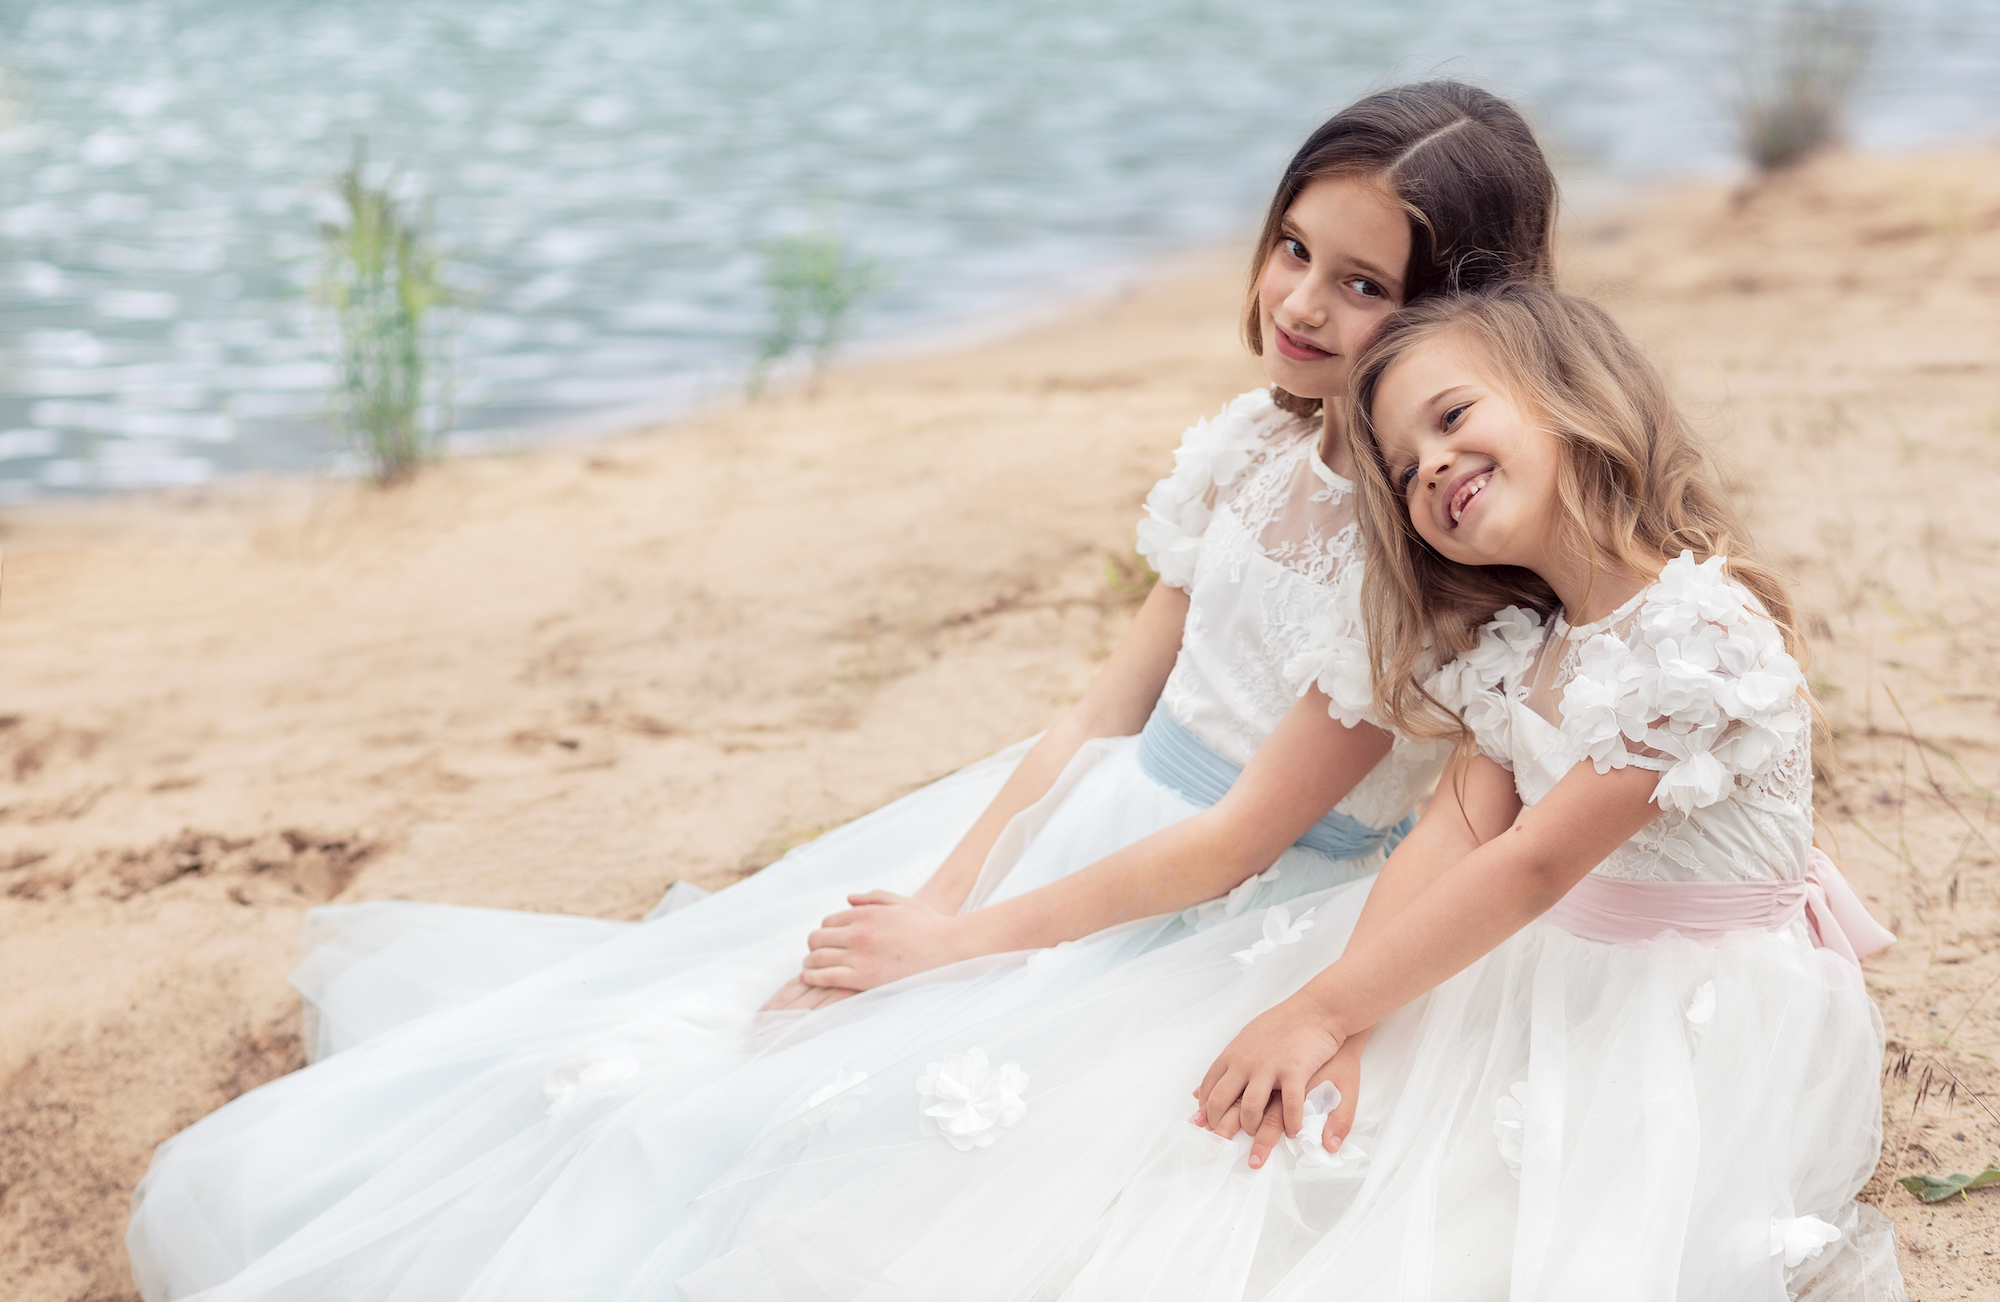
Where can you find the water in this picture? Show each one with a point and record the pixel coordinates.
(604, 172)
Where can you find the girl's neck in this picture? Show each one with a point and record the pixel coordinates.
(1592, 588)
(1334, 453)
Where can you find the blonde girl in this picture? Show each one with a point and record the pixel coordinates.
(1622, 1048)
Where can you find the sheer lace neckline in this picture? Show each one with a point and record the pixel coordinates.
(1561, 628)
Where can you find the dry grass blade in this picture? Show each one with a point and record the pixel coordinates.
(1794, 76)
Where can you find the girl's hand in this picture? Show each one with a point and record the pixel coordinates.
(1280, 1050)
(1344, 1071)
(883, 938)
(797, 994)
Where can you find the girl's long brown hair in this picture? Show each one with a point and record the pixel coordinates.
(1465, 168)
(1634, 488)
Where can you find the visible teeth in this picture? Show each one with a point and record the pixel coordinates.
(1472, 490)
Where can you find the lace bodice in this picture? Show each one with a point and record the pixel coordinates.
(1690, 679)
(1262, 537)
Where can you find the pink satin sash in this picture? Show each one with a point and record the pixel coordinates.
(1604, 908)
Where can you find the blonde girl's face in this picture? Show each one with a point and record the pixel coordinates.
(1478, 474)
(1334, 274)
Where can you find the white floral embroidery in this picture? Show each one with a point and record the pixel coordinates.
(968, 1101)
(1701, 1009)
(1279, 929)
(1801, 1237)
(1213, 911)
(1335, 656)
(1510, 1125)
(576, 1079)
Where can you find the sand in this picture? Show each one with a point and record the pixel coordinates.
(565, 679)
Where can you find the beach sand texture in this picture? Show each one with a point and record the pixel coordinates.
(566, 679)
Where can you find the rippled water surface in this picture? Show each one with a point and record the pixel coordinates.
(603, 173)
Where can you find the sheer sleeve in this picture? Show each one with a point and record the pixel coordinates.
(1212, 454)
(1473, 685)
(1701, 690)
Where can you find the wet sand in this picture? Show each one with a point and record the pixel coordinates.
(565, 679)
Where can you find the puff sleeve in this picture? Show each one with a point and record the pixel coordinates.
(1335, 655)
(1212, 454)
(1701, 690)
(1474, 684)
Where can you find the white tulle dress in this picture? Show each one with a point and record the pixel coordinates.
(540, 1107)
(1684, 1117)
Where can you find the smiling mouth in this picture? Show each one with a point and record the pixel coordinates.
(1461, 499)
(1300, 349)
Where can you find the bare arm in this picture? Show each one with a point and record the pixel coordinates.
(1307, 764)
(1468, 907)
(1117, 704)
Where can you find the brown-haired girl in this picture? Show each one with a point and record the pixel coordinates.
(1625, 1049)
(507, 1105)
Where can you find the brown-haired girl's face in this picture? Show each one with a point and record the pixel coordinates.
(1478, 475)
(1334, 274)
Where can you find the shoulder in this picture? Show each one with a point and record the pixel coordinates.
(1701, 687)
(1505, 645)
(1471, 684)
(1214, 454)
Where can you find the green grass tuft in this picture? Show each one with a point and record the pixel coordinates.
(379, 277)
(814, 283)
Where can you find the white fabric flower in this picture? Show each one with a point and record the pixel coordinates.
(1688, 595)
(843, 1080)
(1212, 454)
(1701, 1009)
(968, 1101)
(1279, 929)
(1504, 646)
(576, 1079)
(1688, 682)
(1801, 1237)
(1695, 783)
(1309, 1145)
(1510, 1125)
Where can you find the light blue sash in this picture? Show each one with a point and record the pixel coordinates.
(1172, 757)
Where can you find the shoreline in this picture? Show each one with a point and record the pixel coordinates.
(563, 678)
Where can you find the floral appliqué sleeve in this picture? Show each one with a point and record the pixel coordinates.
(1213, 454)
(1474, 684)
(1700, 690)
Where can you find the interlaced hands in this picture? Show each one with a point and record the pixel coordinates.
(883, 937)
(1266, 1073)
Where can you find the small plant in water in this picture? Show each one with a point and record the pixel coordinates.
(379, 276)
(1794, 73)
(814, 282)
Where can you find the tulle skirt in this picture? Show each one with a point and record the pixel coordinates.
(511, 1105)
(1566, 1119)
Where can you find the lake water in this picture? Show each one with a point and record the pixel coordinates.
(603, 174)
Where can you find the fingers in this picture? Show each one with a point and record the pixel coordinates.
(1257, 1094)
(1222, 1093)
(844, 918)
(878, 897)
(1269, 1132)
(828, 958)
(1340, 1121)
(1293, 1089)
(834, 976)
(792, 994)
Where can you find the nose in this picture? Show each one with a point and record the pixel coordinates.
(1306, 304)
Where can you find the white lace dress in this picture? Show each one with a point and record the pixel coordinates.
(1566, 1121)
(509, 1105)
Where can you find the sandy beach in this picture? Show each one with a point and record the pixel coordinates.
(565, 679)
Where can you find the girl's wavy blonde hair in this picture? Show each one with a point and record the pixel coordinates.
(1634, 486)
